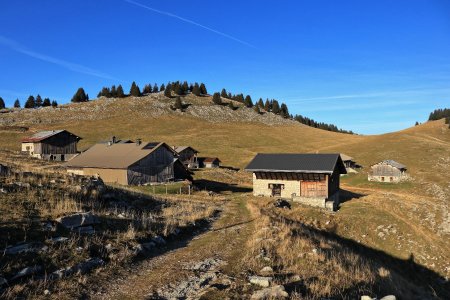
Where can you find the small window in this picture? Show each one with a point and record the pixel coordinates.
(382, 178)
(391, 179)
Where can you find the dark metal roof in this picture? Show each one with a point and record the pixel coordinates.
(305, 163)
(42, 135)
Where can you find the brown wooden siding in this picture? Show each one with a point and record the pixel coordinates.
(157, 167)
(62, 143)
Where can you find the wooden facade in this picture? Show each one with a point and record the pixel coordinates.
(156, 167)
(60, 146)
(188, 156)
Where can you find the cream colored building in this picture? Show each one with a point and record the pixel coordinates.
(311, 179)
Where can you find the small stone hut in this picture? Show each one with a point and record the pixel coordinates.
(311, 179)
(387, 171)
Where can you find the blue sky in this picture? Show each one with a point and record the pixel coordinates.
(369, 66)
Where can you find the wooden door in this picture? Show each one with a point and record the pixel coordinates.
(313, 189)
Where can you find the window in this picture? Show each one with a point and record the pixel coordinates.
(391, 179)
(382, 178)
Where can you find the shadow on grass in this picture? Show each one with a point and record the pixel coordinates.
(345, 195)
(220, 187)
(407, 280)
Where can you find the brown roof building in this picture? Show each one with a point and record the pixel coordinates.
(126, 163)
(57, 145)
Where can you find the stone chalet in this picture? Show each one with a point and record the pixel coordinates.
(311, 179)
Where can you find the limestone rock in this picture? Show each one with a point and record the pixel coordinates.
(78, 220)
(260, 280)
(275, 292)
(28, 271)
(266, 270)
(389, 297)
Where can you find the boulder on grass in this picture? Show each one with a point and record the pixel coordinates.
(78, 219)
(260, 280)
(275, 292)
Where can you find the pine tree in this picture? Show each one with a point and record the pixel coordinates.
(105, 92)
(185, 87)
(2, 103)
(231, 105)
(168, 91)
(155, 88)
(275, 107)
(267, 105)
(113, 91)
(216, 99)
(203, 90)
(31, 102)
(119, 91)
(417, 123)
(54, 104)
(248, 101)
(196, 89)
(147, 89)
(284, 110)
(46, 102)
(178, 103)
(178, 89)
(162, 88)
(256, 109)
(260, 103)
(17, 103)
(80, 96)
(38, 101)
(223, 93)
(134, 90)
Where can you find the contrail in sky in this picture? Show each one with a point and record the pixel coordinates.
(190, 22)
(62, 63)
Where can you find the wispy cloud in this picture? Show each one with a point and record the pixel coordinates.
(190, 22)
(62, 63)
(409, 92)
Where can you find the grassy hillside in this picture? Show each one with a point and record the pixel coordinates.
(417, 209)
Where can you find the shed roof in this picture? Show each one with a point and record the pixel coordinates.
(392, 163)
(180, 149)
(210, 159)
(42, 135)
(115, 156)
(290, 162)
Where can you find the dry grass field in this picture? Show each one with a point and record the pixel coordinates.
(395, 223)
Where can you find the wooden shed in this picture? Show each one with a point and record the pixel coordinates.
(387, 171)
(211, 162)
(127, 163)
(188, 156)
(58, 145)
(311, 179)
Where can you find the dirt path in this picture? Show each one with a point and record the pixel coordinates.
(212, 257)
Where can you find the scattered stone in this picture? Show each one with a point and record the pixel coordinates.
(275, 292)
(81, 268)
(158, 240)
(365, 297)
(23, 248)
(28, 271)
(46, 292)
(280, 203)
(78, 220)
(266, 270)
(381, 234)
(260, 280)
(389, 297)
(59, 239)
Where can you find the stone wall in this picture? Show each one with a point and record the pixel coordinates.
(261, 187)
(386, 178)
